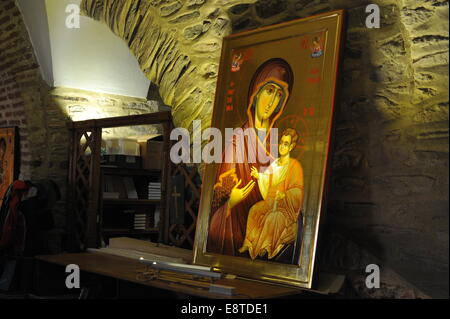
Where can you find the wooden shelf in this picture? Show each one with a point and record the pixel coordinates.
(130, 120)
(130, 171)
(125, 231)
(125, 269)
(91, 132)
(150, 202)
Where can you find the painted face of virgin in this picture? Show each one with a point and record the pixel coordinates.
(267, 100)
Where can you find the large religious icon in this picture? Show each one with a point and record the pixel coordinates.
(261, 204)
(8, 158)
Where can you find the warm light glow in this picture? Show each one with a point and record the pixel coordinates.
(91, 113)
(91, 57)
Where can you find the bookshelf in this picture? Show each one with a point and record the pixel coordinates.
(137, 216)
(126, 231)
(96, 214)
(150, 202)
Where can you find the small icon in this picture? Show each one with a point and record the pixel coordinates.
(239, 58)
(317, 47)
(236, 62)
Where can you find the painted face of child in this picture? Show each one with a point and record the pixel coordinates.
(285, 145)
(268, 99)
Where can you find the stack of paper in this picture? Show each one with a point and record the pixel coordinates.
(154, 190)
(140, 221)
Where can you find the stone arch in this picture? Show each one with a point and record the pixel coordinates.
(177, 44)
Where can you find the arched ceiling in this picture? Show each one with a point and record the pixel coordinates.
(177, 44)
(90, 58)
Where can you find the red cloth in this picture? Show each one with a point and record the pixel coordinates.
(226, 234)
(13, 230)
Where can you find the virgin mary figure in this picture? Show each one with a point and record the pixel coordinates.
(234, 191)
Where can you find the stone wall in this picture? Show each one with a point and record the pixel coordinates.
(389, 186)
(22, 96)
(81, 105)
(68, 104)
(42, 113)
(20, 87)
(177, 44)
(389, 190)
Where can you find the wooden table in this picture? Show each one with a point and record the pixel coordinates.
(127, 269)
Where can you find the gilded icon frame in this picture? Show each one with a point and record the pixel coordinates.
(9, 158)
(311, 47)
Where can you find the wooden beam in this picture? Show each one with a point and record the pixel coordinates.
(142, 119)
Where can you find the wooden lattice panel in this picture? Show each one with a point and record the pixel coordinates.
(183, 235)
(82, 179)
(85, 200)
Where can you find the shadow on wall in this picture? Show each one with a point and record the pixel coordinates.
(351, 203)
(387, 194)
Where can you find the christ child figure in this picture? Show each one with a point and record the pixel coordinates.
(272, 222)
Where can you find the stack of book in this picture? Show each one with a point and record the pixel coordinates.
(154, 191)
(140, 221)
